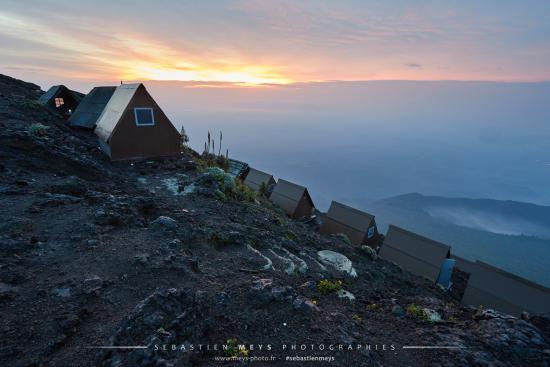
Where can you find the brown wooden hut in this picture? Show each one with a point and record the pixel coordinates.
(293, 199)
(255, 178)
(133, 126)
(61, 99)
(414, 253)
(495, 288)
(360, 227)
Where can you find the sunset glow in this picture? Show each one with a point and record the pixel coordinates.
(246, 75)
(257, 42)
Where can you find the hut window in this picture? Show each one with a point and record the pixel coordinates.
(370, 233)
(59, 102)
(144, 116)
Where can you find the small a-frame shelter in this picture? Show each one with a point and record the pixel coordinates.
(90, 108)
(495, 288)
(255, 178)
(61, 99)
(414, 253)
(293, 199)
(133, 126)
(237, 169)
(360, 227)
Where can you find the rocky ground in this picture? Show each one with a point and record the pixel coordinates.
(167, 255)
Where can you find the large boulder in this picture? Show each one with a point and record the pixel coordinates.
(337, 261)
(164, 223)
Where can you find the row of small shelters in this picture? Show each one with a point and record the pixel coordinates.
(127, 120)
(294, 199)
(486, 285)
(296, 202)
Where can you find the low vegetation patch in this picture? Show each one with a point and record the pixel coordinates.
(417, 312)
(278, 219)
(243, 192)
(221, 239)
(289, 235)
(225, 186)
(29, 104)
(344, 238)
(263, 190)
(326, 286)
(39, 129)
(375, 307)
(234, 350)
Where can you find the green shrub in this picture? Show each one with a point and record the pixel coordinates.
(234, 350)
(375, 307)
(225, 185)
(29, 104)
(289, 235)
(216, 172)
(417, 312)
(263, 190)
(243, 192)
(207, 160)
(344, 237)
(39, 129)
(278, 219)
(221, 239)
(222, 162)
(220, 195)
(326, 286)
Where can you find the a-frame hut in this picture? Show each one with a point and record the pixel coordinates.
(61, 99)
(133, 126)
(293, 199)
(357, 225)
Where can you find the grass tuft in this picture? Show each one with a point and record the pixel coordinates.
(326, 286)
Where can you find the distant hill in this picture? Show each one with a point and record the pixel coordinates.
(512, 235)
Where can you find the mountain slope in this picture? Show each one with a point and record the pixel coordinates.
(160, 254)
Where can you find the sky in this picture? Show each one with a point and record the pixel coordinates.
(274, 42)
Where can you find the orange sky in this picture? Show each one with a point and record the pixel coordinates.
(257, 42)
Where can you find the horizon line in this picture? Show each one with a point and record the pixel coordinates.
(213, 83)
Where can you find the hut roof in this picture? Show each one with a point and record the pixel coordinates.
(114, 110)
(88, 111)
(236, 168)
(348, 216)
(506, 292)
(413, 252)
(255, 178)
(288, 195)
(341, 218)
(56, 90)
(50, 93)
